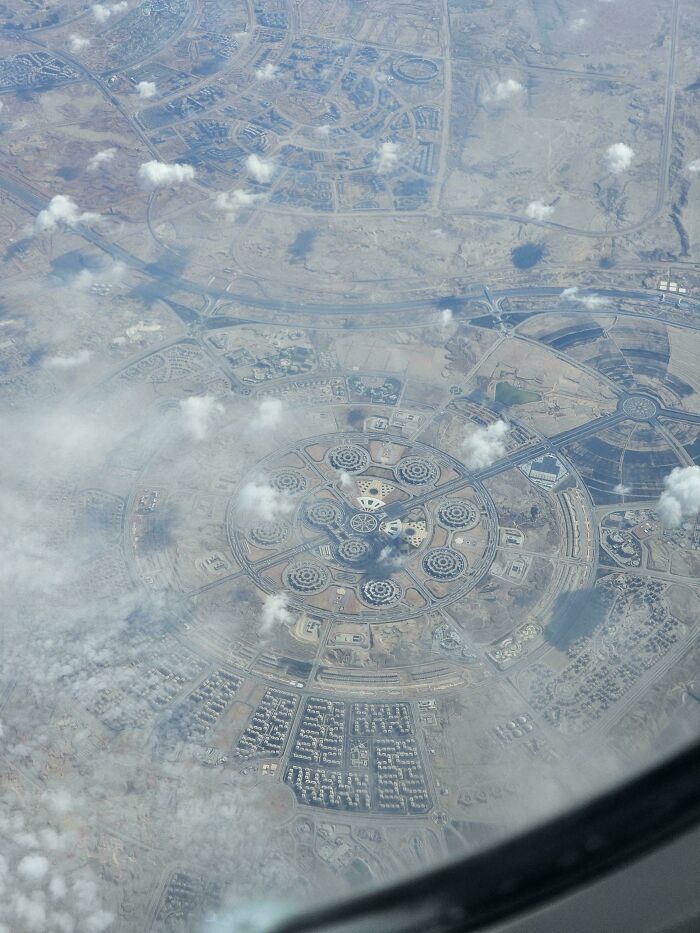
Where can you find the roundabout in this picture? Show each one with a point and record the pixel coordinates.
(640, 407)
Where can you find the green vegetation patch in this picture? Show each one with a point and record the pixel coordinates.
(508, 394)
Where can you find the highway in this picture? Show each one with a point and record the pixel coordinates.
(502, 465)
(19, 190)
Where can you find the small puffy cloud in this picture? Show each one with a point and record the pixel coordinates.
(30, 911)
(199, 413)
(482, 446)
(260, 170)
(62, 211)
(538, 210)
(323, 130)
(275, 612)
(346, 480)
(98, 922)
(681, 497)
(504, 90)
(68, 362)
(576, 25)
(109, 273)
(57, 888)
(33, 867)
(446, 317)
(391, 556)
(86, 895)
(622, 490)
(269, 414)
(103, 157)
(259, 500)
(78, 43)
(2, 105)
(592, 302)
(233, 202)
(252, 917)
(103, 11)
(387, 156)
(156, 174)
(619, 157)
(267, 72)
(146, 89)
(694, 166)
(59, 801)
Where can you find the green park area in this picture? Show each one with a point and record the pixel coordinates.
(508, 394)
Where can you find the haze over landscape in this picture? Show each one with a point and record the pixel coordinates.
(350, 420)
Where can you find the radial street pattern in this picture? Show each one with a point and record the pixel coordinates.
(350, 418)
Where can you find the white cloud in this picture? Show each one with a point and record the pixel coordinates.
(199, 413)
(57, 888)
(156, 174)
(619, 157)
(387, 157)
(101, 158)
(482, 446)
(30, 911)
(446, 316)
(30, 905)
(52, 840)
(504, 90)
(146, 89)
(109, 273)
(78, 43)
(346, 480)
(576, 25)
(99, 921)
(589, 301)
(538, 210)
(233, 202)
(275, 612)
(269, 414)
(62, 210)
(694, 166)
(103, 11)
(681, 498)
(258, 499)
(33, 867)
(68, 362)
(45, 576)
(622, 490)
(259, 169)
(323, 130)
(390, 556)
(267, 72)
